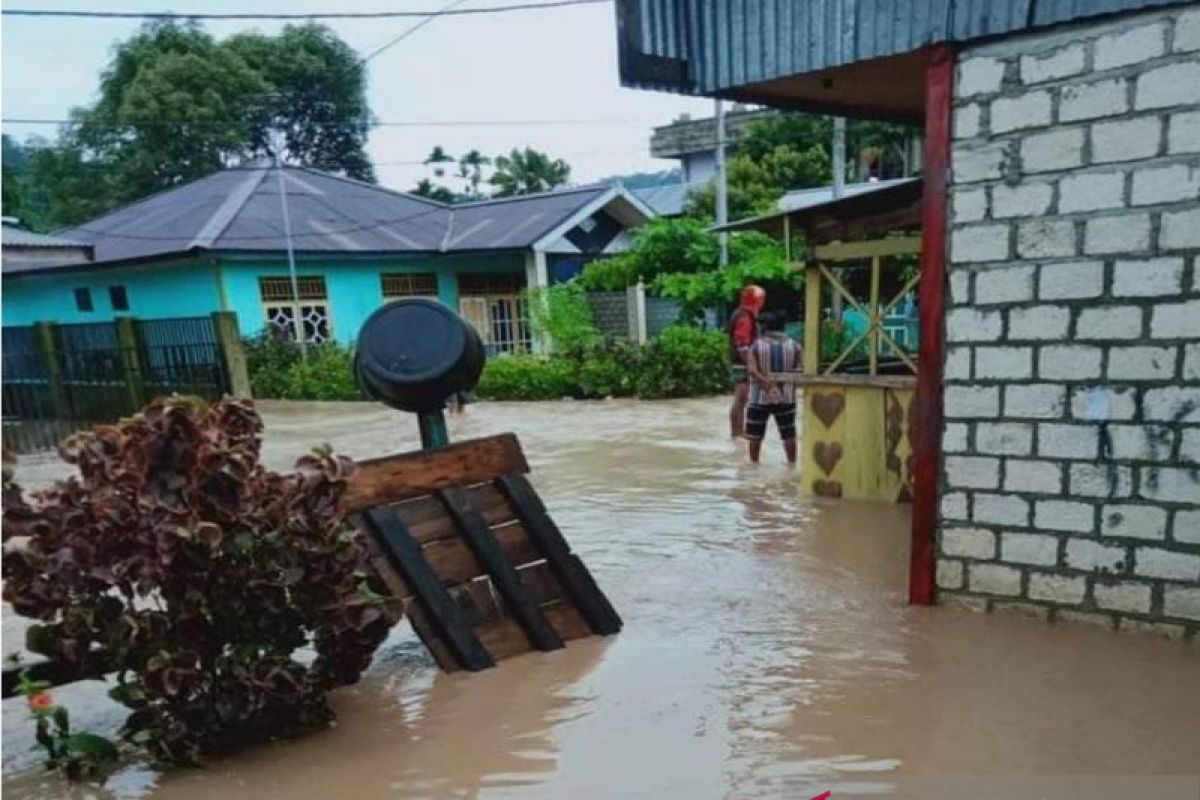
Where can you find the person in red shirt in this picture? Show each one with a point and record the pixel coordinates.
(743, 332)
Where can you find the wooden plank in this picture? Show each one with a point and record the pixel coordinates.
(455, 562)
(927, 404)
(387, 480)
(427, 520)
(812, 319)
(577, 582)
(873, 248)
(503, 574)
(445, 620)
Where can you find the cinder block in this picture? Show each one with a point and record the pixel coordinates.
(971, 402)
(1101, 480)
(1170, 85)
(1174, 403)
(1172, 183)
(972, 472)
(1129, 596)
(1133, 522)
(1142, 628)
(994, 579)
(970, 205)
(1170, 484)
(954, 437)
(1064, 515)
(1191, 362)
(1034, 477)
(1186, 527)
(1029, 548)
(949, 574)
(960, 287)
(1061, 63)
(1028, 110)
(958, 364)
(1004, 438)
(1187, 33)
(1091, 556)
(1181, 602)
(969, 543)
(1109, 322)
(1052, 588)
(1004, 285)
(1001, 509)
(1003, 362)
(1035, 401)
(1130, 46)
(1176, 320)
(1189, 446)
(1055, 149)
(973, 325)
(974, 162)
(978, 76)
(972, 243)
(1090, 191)
(1074, 280)
(966, 121)
(1142, 363)
(1072, 362)
(1180, 230)
(1122, 233)
(1140, 442)
(954, 506)
(1022, 200)
(1038, 322)
(1147, 277)
(1093, 100)
(1055, 440)
(1068, 616)
(1103, 403)
(1167, 565)
(1183, 133)
(1046, 238)
(1126, 140)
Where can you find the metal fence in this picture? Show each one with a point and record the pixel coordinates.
(59, 378)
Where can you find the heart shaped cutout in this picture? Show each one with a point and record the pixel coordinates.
(827, 455)
(828, 407)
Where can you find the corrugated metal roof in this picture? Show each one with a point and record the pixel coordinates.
(15, 237)
(819, 195)
(868, 196)
(707, 46)
(667, 200)
(238, 210)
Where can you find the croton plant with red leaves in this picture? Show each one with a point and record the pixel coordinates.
(227, 599)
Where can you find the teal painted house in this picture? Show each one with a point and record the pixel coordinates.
(220, 244)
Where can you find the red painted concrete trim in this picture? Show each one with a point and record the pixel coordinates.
(928, 401)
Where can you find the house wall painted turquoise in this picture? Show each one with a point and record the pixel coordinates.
(231, 283)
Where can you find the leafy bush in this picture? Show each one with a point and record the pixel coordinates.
(278, 371)
(196, 575)
(682, 362)
(561, 314)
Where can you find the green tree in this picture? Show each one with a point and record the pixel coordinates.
(528, 171)
(470, 167)
(661, 246)
(317, 97)
(431, 190)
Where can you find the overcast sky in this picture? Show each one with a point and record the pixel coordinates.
(534, 65)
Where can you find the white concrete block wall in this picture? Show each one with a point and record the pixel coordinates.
(1071, 475)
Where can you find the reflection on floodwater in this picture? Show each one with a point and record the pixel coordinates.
(767, 653)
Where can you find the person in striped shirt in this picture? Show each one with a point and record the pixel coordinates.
(772, 353)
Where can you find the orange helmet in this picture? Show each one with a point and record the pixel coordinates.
(753, 298)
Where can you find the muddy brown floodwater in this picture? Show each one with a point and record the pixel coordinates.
(767, 653)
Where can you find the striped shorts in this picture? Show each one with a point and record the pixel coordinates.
(785, 420)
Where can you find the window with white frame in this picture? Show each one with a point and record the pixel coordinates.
(494, 305)
(408, 284)
(279, 308)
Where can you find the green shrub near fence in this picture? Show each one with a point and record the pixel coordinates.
(277, 370)
(682, 362)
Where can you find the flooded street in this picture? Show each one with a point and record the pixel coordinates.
(767, 653)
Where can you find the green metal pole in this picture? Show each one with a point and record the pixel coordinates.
(433, 429)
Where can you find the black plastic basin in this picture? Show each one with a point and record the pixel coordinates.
(414, 353)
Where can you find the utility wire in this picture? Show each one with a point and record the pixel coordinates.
(411, 30)
(344, 15)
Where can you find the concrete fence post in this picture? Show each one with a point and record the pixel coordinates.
(229, 346)
(129, 355)
(635, 305)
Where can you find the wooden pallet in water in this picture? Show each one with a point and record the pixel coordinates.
(461, 537)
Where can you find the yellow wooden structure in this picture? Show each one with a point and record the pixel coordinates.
(856, 439)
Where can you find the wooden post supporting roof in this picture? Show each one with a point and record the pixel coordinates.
(928, 400)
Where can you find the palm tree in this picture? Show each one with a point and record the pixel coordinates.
(437, 157)
(528, 171)
(470, 166)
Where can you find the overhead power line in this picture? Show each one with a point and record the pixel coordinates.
(410, 30)
(343, 15)
(453, 123)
